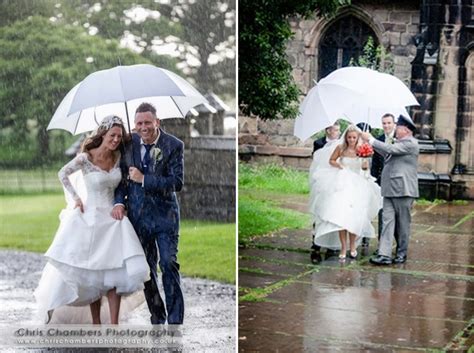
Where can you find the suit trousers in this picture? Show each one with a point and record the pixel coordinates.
(396, 225)
(166, 245)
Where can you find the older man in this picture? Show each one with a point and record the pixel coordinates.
(399, 189)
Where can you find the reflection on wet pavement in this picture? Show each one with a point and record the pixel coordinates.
(287, 303)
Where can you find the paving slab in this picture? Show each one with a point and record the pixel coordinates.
(257, 280)
(272, 268)
(340, 326)
(426, 304)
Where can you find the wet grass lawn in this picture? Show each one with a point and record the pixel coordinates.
(258, 186)
(272, 177)
(206, 249)
(259, 216)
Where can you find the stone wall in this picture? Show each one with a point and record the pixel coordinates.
(431, 44)
(209, 179)
(209, 174)
(395, 23)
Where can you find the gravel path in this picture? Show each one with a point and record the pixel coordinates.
(210, 306)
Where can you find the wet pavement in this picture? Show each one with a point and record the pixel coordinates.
(289, 304)
(209, 317)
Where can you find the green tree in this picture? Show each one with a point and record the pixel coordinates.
(209, 35)
(124, 20)
(39, 63)
(266, 86)
(199, 35)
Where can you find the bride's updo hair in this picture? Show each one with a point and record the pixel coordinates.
(97, 136)
(350, 128)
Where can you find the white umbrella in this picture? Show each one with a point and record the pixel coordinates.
(355, 93)
(119, 91)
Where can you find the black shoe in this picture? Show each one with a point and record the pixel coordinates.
(315, 247)
(381, 260)
(330, 253)
(316, 257)
(399, 259)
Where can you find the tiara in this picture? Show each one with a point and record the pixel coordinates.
(109, 121)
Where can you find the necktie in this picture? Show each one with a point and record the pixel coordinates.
(147, 158)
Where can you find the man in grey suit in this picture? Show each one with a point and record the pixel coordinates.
(399, 189)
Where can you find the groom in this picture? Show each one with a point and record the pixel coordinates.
(154, 166)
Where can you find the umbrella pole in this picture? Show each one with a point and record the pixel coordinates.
(366, 126)
(130, 131)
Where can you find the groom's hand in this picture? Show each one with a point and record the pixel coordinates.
(118, 212)
(135, 175)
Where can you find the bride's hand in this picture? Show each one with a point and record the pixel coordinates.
(118, 212)
(80, 205)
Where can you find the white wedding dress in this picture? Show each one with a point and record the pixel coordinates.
(340, 199)
(91, 252)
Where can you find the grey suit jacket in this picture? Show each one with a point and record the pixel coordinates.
(399, 175)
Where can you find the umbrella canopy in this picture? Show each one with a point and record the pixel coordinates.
(119, 91)
(355, 93)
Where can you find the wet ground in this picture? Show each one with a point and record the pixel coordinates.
(289, 304)
(209, 317)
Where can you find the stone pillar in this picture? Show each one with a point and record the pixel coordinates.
(465, 128)
(181, 128)
(448, 79)
(424, 82)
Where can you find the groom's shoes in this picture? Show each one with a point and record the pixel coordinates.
(381, 260)
(399, 259)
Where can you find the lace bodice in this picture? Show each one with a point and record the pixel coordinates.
(99, 184)
(352, 163)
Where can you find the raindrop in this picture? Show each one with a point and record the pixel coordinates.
(93, 31)
(97, 7)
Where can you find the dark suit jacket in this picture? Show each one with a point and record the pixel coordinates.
(377, 162)
(154, 206)
(319, 143)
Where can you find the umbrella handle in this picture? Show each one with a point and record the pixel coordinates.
(129, 130)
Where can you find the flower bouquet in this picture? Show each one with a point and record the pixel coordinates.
(365, 150)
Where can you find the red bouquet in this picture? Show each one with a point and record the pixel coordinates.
(365, 150)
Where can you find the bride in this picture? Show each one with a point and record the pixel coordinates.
(92, 254)
(344, 198)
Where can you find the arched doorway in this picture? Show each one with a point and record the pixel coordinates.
(342, 40)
